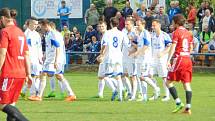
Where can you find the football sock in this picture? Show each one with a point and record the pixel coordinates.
(139, 86)
(101, 86)
(110, 84)
(114, 81)
(42, 86)
(52, 83)
(10, 118)
(128, 84)
(37, 84)
(62, 89)
(151, 83)
(33, 88)
(13, 112)
(174, 94)
(166, 90)
(144, 89)
(120, 88)
(67, 87)
(134, 81)
(188, 99)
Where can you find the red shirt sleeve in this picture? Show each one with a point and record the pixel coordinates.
(4, 39)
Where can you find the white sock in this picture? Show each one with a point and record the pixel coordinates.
(151, 83)
(114, 81)
(120, 88)
(37, 84)
(33, 87)
(177, 101)
(101, 86)
(62, 89)
(134, 91)
(110, 84)
(42, 87)
(139, 86)
(67, 87)
(52, 83)
(188, 106)
(144, 89)
(166, 90)
(127, 83)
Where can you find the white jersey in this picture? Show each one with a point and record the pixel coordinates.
(54, 40)
(35, 47)
(114, 40)
(144, 39)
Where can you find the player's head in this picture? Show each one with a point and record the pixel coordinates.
(5, 17)
(52, 25)
(140, 24)
(33, 23)
(178, 20)
(114, 22)
(13, 13)
(129, 23)
(102, 26)
(45, 25)
(156, 26)
(63, 3)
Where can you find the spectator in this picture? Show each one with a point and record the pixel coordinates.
(64, 13)
(177, 7)
(174, 9)
(77, 46)
(209, 21)
(205, 37)
(148, 20)
(189, 27)
(93, 47)
(141, 12)
(89, 33)
(92, 16)
(155, 6)
(164, 19)
(211, 49)
(171, 29)
(67, 41)
(13, 14)
(207, 6)
(74, 31)
(65, 30)
(192, 14)
(121, 21)
(200, 15)
(108, 13)
(127, 10)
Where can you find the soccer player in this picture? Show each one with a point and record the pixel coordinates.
(36, 54)
(112, 43)
(14, 65)
(102, 27)
(161, 42)
(54, 61)
(181, 67)
(129, 65)
(143, 55)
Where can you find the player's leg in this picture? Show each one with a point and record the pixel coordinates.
(188, 92)
(127, 86)
(119, 86)
(101, 85)
(173, 92)
(52, 86)
(166, 90)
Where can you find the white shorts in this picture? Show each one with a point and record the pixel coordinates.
(101, 71)
(36, 69)
(130, 69)
(143, 69)
(160, 69)
(50, 69)
(113, 69)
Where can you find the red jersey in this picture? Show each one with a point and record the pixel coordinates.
(13, 39)
(183, 39)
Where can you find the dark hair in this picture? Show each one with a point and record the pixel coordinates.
(114, 21)
(13, 13)
(102, 22)
(44, 22)
(5, 12)
(179, 19)
(63, 1)
(156, 20)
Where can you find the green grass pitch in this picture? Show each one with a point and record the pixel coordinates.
(87, 108)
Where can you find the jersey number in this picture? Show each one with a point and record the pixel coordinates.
(21, 41)
(185, 45)
(115, 42)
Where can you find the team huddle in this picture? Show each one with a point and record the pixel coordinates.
(129, 60)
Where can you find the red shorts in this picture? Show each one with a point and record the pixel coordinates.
(181, 70)
(10, 89)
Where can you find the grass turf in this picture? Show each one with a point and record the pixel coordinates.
(87, 108)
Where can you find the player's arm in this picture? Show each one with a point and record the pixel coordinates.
(3, 52)
(57, 56)
(164, 52)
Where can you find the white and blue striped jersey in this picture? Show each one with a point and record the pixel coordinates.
(35, 47)
(114, 40)
(144, 39)
(54, 40)
(159, 43)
